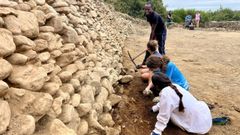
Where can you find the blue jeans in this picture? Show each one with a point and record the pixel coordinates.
(161, 42)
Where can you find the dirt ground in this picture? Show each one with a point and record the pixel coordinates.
(209, 60)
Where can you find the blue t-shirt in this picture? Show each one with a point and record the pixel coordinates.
(175, 75)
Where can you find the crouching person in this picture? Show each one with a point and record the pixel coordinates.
(179, 106)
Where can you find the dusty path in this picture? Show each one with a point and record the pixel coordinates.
(211, 63)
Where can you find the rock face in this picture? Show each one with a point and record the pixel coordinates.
(58, 63)
(7, 45)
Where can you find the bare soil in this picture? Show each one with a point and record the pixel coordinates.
(209, 60)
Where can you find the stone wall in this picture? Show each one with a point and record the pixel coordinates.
(58, 62)
(228, 25)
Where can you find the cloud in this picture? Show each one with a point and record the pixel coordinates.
(202, 4)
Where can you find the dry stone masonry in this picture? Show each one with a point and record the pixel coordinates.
(59, 60)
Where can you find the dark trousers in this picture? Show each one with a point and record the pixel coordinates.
(161, 42)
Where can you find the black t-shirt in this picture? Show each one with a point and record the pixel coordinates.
(155, 18)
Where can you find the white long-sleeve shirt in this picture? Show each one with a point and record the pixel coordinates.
(196, 117)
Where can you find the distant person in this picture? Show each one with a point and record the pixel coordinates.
(164, 65)
(179, 106)
(158, 28)
(169, 18)
(197, 19)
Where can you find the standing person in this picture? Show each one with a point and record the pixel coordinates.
(179, 106)
(158, 28)
(197, 19)
(169, 18)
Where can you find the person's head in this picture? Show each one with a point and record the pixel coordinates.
(152, 45)
(161, 81)
(154, 62)
(148, 8)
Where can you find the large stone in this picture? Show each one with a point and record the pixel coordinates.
(75, 100)
(4, 3)
(41, 17)
(67, 88)
(75, 83)
(5, 116)
(126, 79)
(93, 120)
(46, 29)
(106, 84)
(51, 87)
(66, 59)
(54, 40)
(44, 56)
(12, 24)
(72, 68)
(28, 24)
(84, 108)
(40, 2)
(57, 127)
(22, 40)
(26, 102)
(68, 47)
(87, 94)
(102, 96)
(17, 59)
(30, 54)
(7, 45)
(65, 76)
(56, 109)
(21, 125)
(5, 69)
(5, 11)
(83, 127)
(41, 45)
(67, 113)
(59, 3)
(23, 7)
(70, 35)
(115, 99)
(29, 77)
(106, 120)
(3, 88)
(57, 23)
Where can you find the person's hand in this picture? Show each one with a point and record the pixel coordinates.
(147, 92)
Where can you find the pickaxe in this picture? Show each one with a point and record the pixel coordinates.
(132, 59)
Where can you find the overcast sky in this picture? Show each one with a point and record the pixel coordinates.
(202, 4)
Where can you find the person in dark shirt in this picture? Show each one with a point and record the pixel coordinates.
(158, 28)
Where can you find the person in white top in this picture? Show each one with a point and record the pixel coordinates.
(179, 106)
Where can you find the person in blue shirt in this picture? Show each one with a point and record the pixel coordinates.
(164, 65)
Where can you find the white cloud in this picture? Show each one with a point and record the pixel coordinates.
(202, 4)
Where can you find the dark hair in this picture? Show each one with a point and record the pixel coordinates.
(153, 62)
(157, 62)
(161, 81)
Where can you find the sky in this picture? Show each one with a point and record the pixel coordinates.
(202, 4)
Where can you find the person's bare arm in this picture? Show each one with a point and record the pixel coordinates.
(152, 35)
